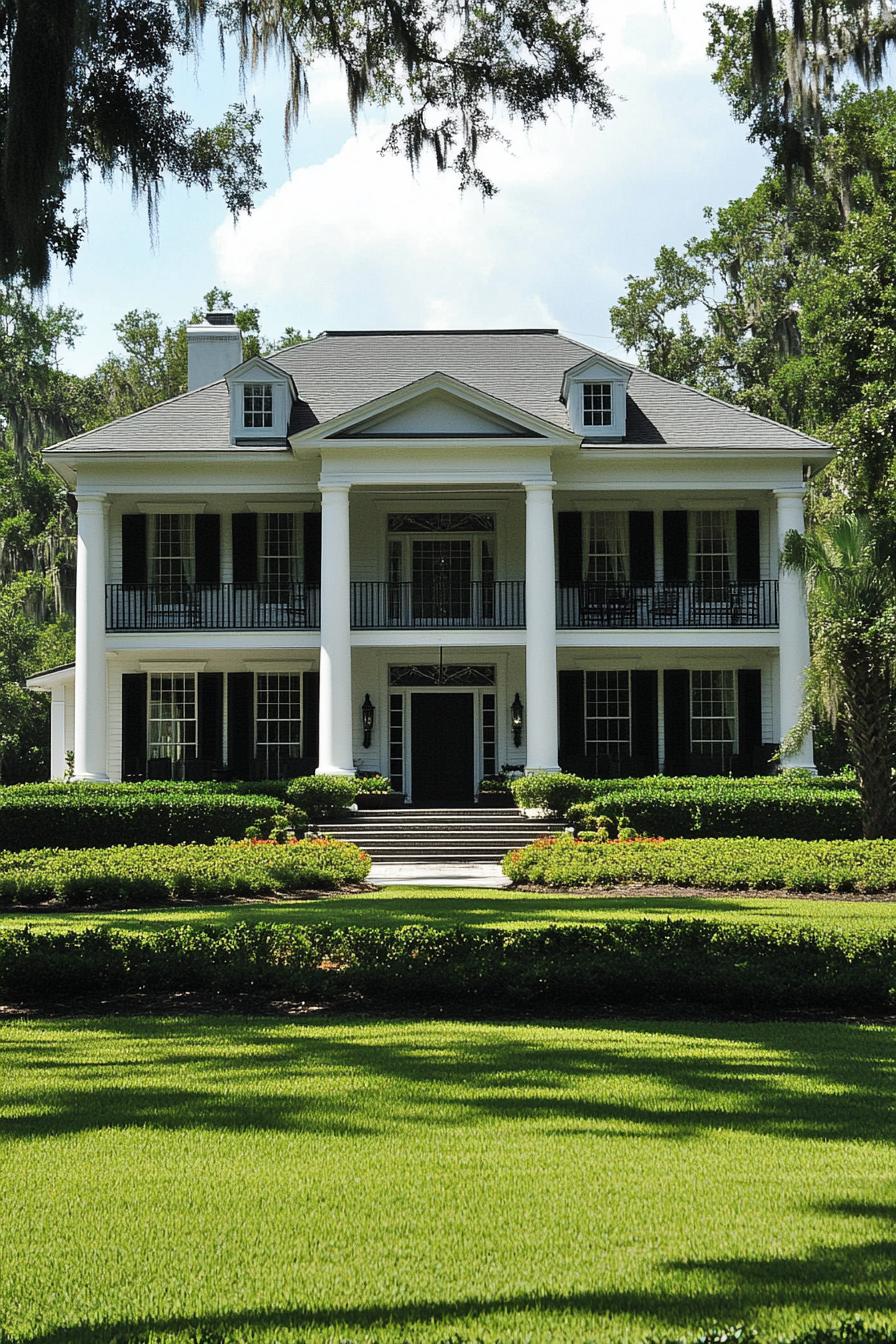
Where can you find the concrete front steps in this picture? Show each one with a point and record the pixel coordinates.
(439, 834)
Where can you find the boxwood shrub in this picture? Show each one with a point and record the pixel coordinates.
(729, 865)
(793, 804)
(323, 796)
(698, 964)
(79, 816)
(153, 874)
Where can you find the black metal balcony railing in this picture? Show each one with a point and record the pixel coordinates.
(224, 606)
(583, 606)
(499, 605)
(412, 606)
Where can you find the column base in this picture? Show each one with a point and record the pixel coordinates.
(789, 763)
(83, 777)
(335, 770)
(542, 770)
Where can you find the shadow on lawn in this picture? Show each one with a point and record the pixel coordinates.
(792, 1080)
(830, 1283)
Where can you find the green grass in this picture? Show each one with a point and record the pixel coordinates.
(330, 1180)
(442, 907)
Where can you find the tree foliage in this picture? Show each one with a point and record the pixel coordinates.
(86, 89)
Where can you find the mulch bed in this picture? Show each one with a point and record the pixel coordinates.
(637, 889)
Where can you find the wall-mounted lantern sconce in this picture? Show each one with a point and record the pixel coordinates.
(516, 719)
(367, 716)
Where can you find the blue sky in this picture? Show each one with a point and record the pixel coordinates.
(343, 237)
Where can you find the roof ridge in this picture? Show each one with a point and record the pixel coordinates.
(439, 331)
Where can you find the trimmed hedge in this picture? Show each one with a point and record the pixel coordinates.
(80, 816)
(791, 805)
(154, 874)
(323, 796)
(729, 865)
(644, 964)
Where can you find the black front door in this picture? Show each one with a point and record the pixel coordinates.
(442, 747)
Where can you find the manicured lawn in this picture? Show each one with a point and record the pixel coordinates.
(325, 1180)
(443, 906)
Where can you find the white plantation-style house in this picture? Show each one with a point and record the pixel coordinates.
(430, 554)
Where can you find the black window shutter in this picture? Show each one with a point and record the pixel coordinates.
(644, 720)
(640, 546)
(208, 548)
(675, 546)
(677, 697)
(211, 716)
(748, 545)
(241, 723)
(569, 547)
(749, 709)
(133, 725)
(571, 720)
(245, 548)
(311, 543)
(133, 548)
(311, 717)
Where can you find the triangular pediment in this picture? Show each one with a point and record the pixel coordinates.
(436, 407)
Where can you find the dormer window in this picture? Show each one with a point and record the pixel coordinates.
(597, 405)
(258, 406)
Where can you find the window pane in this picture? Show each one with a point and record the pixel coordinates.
(608, 725)
(597, 404)
(278, 719)
(713, 713)
(172, 715)
(279, 556)
(173, 555)
(258, 405)
(712, 552)
(607, 547)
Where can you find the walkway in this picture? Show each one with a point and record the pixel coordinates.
(438, 875)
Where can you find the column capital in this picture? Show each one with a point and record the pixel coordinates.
(92, 499)
(795, 492)
(532, 486)
(334, 487)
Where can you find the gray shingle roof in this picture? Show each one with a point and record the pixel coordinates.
(343, 369)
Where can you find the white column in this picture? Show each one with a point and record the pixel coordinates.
(793, 650)
(541, 628)
(335, 756)
(90, 640)
(57, 733)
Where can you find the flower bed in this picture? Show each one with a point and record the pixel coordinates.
(727, 865)
(153, 874)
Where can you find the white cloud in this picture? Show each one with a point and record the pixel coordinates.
(355, 240)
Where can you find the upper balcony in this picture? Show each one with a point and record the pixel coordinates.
(497, 604)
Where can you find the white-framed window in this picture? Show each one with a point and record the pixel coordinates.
(278, 719)
(608, 714)
(279, 555)
(173, 565)
(607, 548)
(713, 551)
(258, 405)
(713, 713)
(172, 715)
(597, 405)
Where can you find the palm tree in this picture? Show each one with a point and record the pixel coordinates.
(848, 564)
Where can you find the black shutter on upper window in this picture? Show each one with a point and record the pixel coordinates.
(211, 716)
(749, 709)
(133, 548)
(677, 714)
(640, 546)
(133, 725)
(747, 523)
(645, 722)
(311, 543)
(571, 720)
(675, 546)
(569, 547)
(245, 547)
(311, 717)
(208, 548)
(241, 723)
